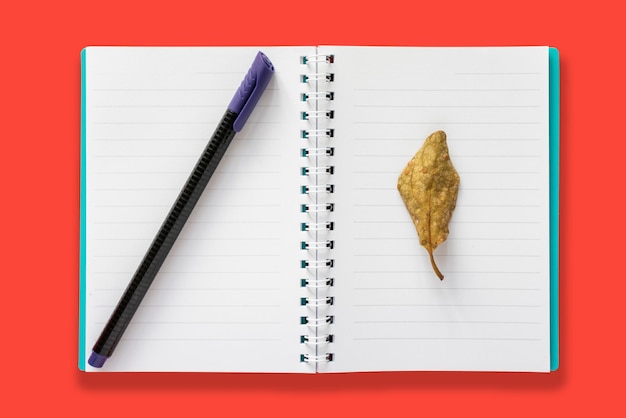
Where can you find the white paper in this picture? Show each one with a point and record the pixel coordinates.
(491, 311)
(227, 296)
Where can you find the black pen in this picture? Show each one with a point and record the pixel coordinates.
(237, 113)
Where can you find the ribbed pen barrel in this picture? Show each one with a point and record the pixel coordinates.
(164, 240)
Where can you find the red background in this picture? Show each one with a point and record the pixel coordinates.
(39, 126)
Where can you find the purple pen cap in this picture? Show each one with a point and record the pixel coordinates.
(249, 92)
(96, 360)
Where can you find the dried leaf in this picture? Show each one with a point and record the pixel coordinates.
(429, 186)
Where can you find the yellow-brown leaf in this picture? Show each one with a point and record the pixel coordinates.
(429, 186)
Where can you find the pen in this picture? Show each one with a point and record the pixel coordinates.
(236, 115)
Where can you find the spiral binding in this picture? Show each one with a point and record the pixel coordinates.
(306, 339)
(317, 191)
(318, 152)
(306, 171)
(318, 283)
(318, 95)
(317, 322)
(328, 300)
(317, 114)
(313, 245)
(314, 208)
(317, 226)
(306, 358)
(317, 58)
(318, 133)
(317, 264)
(318, 188)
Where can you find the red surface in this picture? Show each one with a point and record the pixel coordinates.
(39, 114)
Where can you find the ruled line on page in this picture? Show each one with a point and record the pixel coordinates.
(429, 106)
(413, 139)
(234, 339)
(151, 305)
(446, 289)
(383, 89)
(449, 305)
(382, 321)
(445, 338)
(387, 123)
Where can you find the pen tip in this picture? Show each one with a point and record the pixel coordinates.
(96, 360)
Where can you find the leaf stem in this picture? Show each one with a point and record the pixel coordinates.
(432, 262)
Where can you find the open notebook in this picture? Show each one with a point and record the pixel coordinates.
(300, 256)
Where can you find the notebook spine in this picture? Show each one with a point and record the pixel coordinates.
(317, 224)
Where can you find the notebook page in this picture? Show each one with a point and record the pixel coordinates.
(226, 298)
(491, 312)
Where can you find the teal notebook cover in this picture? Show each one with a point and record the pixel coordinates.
(554, 118)
(554, 81)
(83, 190)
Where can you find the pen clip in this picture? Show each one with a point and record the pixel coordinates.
(251, 89)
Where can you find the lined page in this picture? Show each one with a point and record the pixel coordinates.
(226, 298)
(491, 312)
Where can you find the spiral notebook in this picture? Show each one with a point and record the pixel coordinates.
(300, 256)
